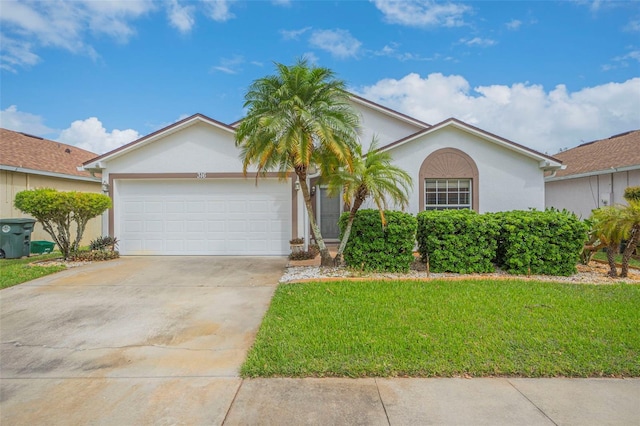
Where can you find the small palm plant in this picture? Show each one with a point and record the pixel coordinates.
(371, 175)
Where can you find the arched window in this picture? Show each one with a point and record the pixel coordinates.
(448, 180)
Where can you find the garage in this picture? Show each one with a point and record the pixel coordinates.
(221, 216)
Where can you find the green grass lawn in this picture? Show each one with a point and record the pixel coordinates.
(17, 271)
(602, 256)
(449, 328)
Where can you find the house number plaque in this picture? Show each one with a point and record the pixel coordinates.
(201, 175)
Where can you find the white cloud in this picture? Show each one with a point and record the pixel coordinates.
(311, 57)
(229, 65)
(477, 41)
(91, 135)
(19, 121)
(523, 112)
(180, 16)
(622, 61)
(514, 24)
(281, 2)
(29, 24)
(423, 13)
(293, 34)
(340, 43)
(633, 26)
(15, 53)
(219, 10)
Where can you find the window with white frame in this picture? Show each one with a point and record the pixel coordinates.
(443, 194)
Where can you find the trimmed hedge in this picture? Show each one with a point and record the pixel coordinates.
(372, 248)
(461, 241)
(540, 242)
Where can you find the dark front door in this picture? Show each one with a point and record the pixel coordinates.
(329, 215)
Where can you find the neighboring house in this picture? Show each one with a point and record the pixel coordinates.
(181, 190)
(596, 174)
(30, 162)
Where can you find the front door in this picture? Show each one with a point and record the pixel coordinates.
(329, 208)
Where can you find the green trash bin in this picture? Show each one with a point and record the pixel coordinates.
(42, 247)
(15, 237)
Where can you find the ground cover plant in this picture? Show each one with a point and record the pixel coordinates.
(17, 271)
(449, 328)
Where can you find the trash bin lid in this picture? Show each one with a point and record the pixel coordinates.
(16, 221)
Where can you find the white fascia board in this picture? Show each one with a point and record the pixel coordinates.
(594, 173)
(543, 162)
(49, 174)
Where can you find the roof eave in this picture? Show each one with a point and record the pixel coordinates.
(47, 173)
(593, 173)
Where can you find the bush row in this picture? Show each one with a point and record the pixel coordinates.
(372, 247)
(522, 242)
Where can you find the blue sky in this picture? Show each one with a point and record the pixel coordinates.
(98, 74)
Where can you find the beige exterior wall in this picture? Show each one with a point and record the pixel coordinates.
(13, 182)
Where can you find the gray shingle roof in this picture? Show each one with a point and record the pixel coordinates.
(617, 151)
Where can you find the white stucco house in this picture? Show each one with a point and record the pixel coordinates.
(181, 190)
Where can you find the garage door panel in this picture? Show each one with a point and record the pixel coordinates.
(216, 217)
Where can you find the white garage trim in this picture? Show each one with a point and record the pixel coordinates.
(236, 217)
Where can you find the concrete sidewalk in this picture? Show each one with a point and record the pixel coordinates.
(502, 401)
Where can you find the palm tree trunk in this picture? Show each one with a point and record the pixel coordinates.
(634, 238)
(347, 231)
(611, 258)
(325, 256)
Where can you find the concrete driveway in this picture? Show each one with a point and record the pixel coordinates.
(139, 340)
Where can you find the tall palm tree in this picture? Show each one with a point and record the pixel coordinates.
(297, 120)
(373, 176)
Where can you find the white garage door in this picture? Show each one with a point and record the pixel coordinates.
(203, 217)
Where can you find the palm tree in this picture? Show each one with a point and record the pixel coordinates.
(631, 224)
(617, 223)
(372, 176)
(297, 120)
(606, 228)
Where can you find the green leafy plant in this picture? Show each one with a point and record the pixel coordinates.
(461, 241)
(311, 253)
(61, 212)
(374, 247)
(104, 243)
(632, 193)
(94, 256)
(540, 242)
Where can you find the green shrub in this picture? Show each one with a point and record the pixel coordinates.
(104, 243)
(58, 211)
(461, 241)
(94, 256)
(374, 248)
(632, 193)
(540, 242)
(311, 253)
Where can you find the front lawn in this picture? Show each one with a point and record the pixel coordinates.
(449, 328)
(17, 271)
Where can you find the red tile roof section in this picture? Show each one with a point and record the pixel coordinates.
(621, 150)
(32, 152)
